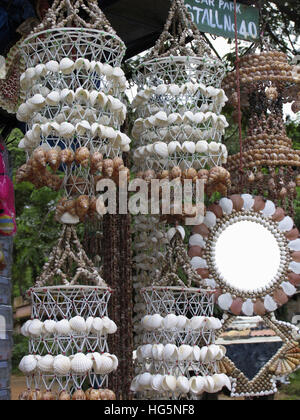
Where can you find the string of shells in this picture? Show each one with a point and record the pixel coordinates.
(268, 162)
(73, 108)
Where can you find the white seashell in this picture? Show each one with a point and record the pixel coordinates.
(82, 128)
(269, 209)
(112, 329)
(81, 364)
(155, 321)
(157, 351)
(61, 365)
(66, 65)
(161, 90)
(66, 130)
(161, 119)
(38, 101)
(135, 384)
(35, 328)
(203, 353)
(156, 382)
(288, 288)
(53, 98)
(63, 327)
(197, 384)
(69, 219)
(270, 304)
(107, 364)
(294, 245)
(28, 364)
(82, 95)
(49, 326)
(184, 352)
(118, 72)
(181, 230)
(210, 219)
(161, 149)
(67, 95)
(286, 224)
(227, 205)
(225, 300)
(146, 351)
(78, 324)
(89, 324)
(170, 352)
(83, 63)
(212, 323)
(209, 384)
(214, 147)
(170, 321)
(45, 364)
(196, 353)
(169, 383)
(115, 361)
(40, 70)
(97, 325)
(24, 329)
(189, 147)
(248, 307)
(198, 262)
(196, 322)
(174, 89)
(248, 201)
(145, 380)
(197, 240)
(182, 385)
(295, 267)
(212, 353)
(201, 146)
(52, 66)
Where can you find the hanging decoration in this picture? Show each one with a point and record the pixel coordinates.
(73, 108)
(267, 162)
(178, 356)
(69, 327)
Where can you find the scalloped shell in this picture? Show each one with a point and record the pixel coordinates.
(182, 384)
(227, 205)
(196, 322)
(61, 365)
(53, 98)
(225, 301)
(184, 352)
(269, 209)
(35, 328)
(157, 351)
(45, 364)
(78, 324)
(286, 224)
(81, 364)
(169, 322)
(66, 130)
(24, 328)
(294, 245)
(97, 325)
(66, 65)
(198, 262)
(201, 146)
(170, 352)
(145, 380)
(52, 66)
(270, 304)
(197, 240)
(28, 364)
(63, 327)
(197, 384)
(156, 382)
(182, 322)
(161, 90)
(49, 326)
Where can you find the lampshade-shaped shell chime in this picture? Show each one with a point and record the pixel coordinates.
(69, 326)
(179, 126)
(268, 163)
(178, 357)
(73, 108)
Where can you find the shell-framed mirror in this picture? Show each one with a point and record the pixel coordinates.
(248, 250)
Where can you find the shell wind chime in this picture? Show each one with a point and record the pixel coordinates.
(268, 160)
(177, 133)
(73, 110)
(178, 357)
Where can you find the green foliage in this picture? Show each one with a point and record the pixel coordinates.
(37, 229)
(20, 349)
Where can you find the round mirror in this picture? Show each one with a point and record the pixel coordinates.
(248, 251)
(247, 256)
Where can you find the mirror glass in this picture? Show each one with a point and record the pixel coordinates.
(247, 255)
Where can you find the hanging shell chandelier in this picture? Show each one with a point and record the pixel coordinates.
(268, 163)
(73, 108)
(179, 125)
